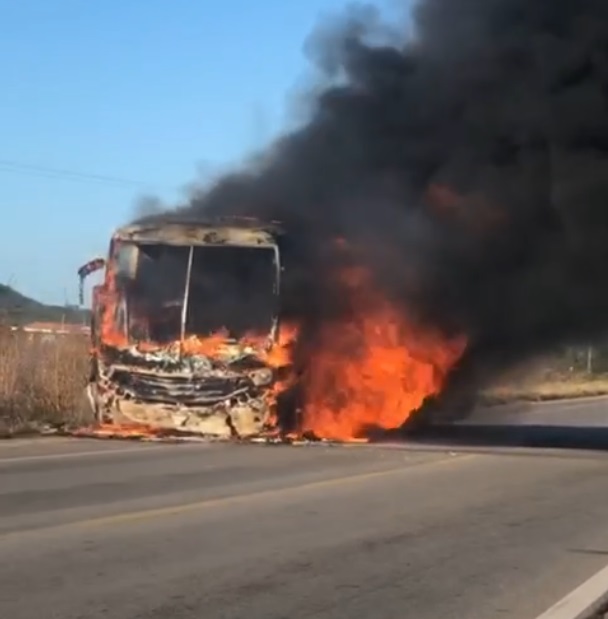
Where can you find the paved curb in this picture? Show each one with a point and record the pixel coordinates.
(589, 601)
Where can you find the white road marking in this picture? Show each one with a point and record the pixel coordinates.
(584, 602)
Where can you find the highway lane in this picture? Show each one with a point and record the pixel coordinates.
(142, 531)
(590, 412)
(580, 423)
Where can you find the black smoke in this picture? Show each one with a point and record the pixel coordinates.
(468, 163)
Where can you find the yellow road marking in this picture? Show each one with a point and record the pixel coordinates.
(175, 510)
(82, 454)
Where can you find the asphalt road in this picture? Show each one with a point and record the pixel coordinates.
(121, 530)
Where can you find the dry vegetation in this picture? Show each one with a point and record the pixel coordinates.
(41, 382)
(547, 379)
(575, 386)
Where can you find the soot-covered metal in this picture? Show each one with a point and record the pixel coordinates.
(184, 327)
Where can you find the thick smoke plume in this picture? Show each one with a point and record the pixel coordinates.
(468, 164)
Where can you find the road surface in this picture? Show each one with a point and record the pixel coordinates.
(121, 530)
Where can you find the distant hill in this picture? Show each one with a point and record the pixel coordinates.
(17, 309)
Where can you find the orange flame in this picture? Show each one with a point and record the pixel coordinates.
(207, 346)
(373, 371)
(108, 299)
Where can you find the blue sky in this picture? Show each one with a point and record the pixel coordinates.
(149, 91)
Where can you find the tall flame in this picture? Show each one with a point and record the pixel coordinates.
(373, 371)
(108, 298)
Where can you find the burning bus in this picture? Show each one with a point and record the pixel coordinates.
(185, 327)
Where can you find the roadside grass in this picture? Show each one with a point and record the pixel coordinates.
(41, 382)
(555, 387)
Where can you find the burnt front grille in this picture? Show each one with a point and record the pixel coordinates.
(179, 389)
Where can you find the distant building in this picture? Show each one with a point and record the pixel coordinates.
(51, 330)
